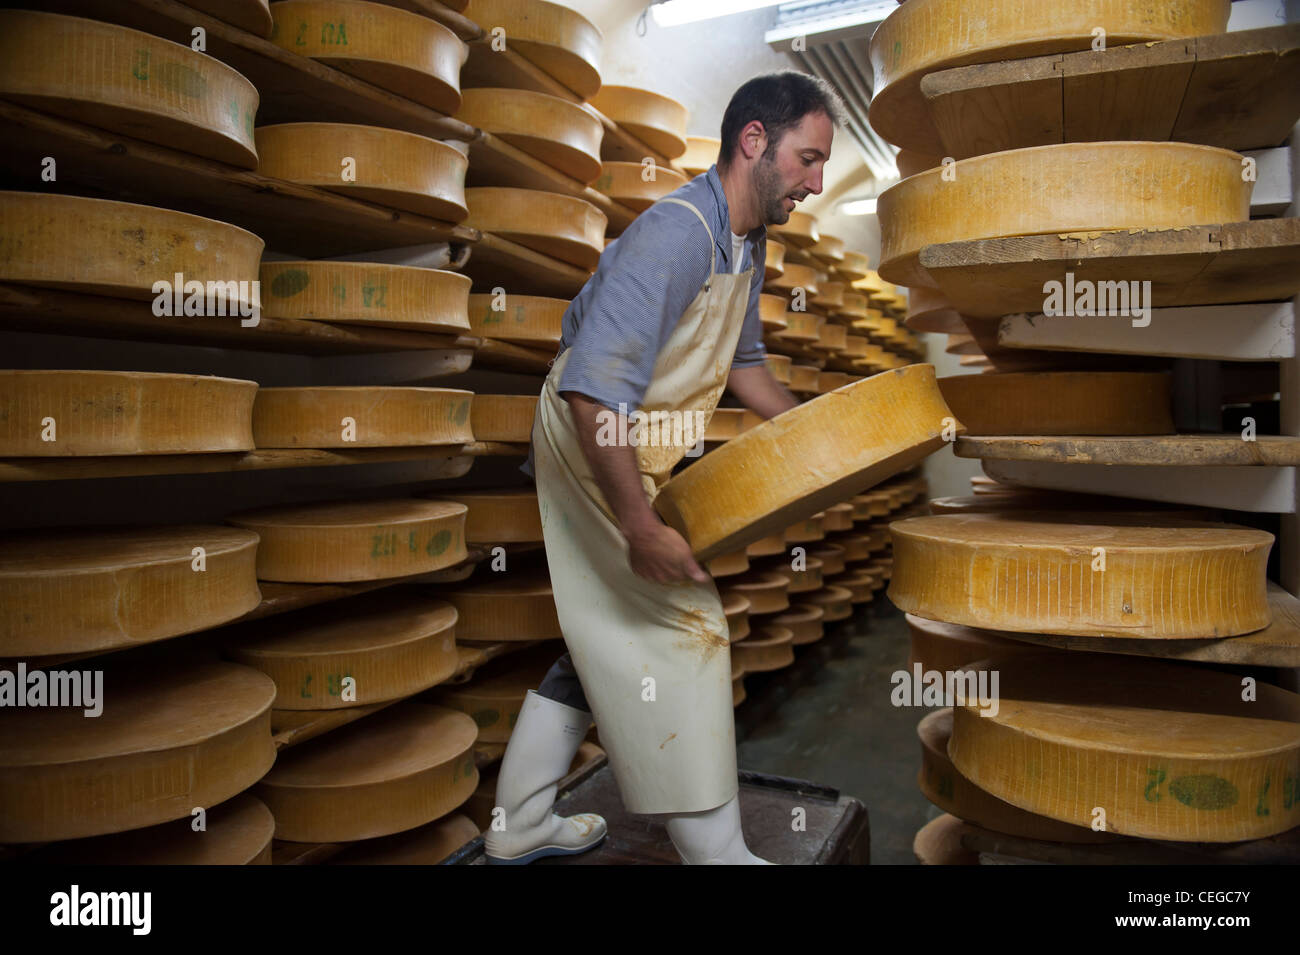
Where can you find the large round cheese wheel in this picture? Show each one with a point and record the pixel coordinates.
(427, 845)
(766, 591)
(799, 231)
(835, 602)
(928, 310)
(236, 832)
(389, 167)
(166, 742)
(1064, 187)
(857, 582)
(767, 546)
(655, 119)
(941, 647)
(805, 379)
(502, 417)
(768, 648)
(367, 293)
(381, 416)
(504, 606)
(806, 531)
(800, 328)
(924, 36)
(98, 246)
(626, 183)
(831, 556)
(340, 541)
(524, 319)
(952, 792)
(805, 459)
(1169, 751)
(728, 565)
(854, 266)
(122, 412)
(392, 645)
(405, 766)
(405, 53)
(806, 623)
(1033, 572)
(493, 699)
(938, 842)
(736, 608)
(564, 227)
(795, 276)
(774, 259)
(127, 82)
(555, 38)
(701, 153)
(1062, 402)
(74, 591)
(499, 515)
(772, 311)
(558, 132)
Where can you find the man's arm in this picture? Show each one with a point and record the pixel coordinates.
(655, 550)
(759, 391)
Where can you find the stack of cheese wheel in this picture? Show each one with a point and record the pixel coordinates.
(164, 742)
(388, 645)
(553, 38)
(499, 515)
(558, 132)
(120, 249)
(1062, 402)
(655, 119)
(72, 591)
(400, 768)
(381, 416)
(512, 605)
(367, 293)
(340, 541)
(127, 82)
(52, 413)
(503, 417)
(495, 694)
(389, 167)
(564, 227)
(764, 646)
(701, 153)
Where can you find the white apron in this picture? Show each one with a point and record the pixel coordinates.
(671, 744)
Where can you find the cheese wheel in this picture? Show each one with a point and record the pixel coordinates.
(367, 417)
(854, 265)
(728, 565)
(857, 583)
(736, 608)
(367, 293)
(766, 591)
(804, 621)
(883, 568)
(944, 647)
(800, 327)
(725, 424)
(929, 310)
(555, 38)
(389, 167)
(838, 517)
(834, 602)
(1163, 578)
(626, 183)
(952, 792)
(524, 319)
(96, 246)
(768, 648)
(74, 591)
(829, 381)
(855, 346)
(830, 294)
(504, 606)
(498, 515)
(403, 767)
(87, 413)
(701, 153)
(805, 379)
(802, 580)
(414, 56)
(165, 742)
(558, 132)
(805, 459)
(494, 697)
(655, 119)
(831, 556)
(795, 276)
(799, 231)
(1062, 402)
(772, 311)
(502, 417)
(774, 259)
(828, 249)
(938, 842)
(429, 844)
(924, 36)
(564, 227)
(767, 546)
(127, 82)
(238, 832)
(391, 645)
(806, 531)
(1064, 187)
(831, 337)
(779, 366)
(341, 541)
(1168, 751)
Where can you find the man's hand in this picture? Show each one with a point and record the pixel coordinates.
(759, 391)
(659, 553)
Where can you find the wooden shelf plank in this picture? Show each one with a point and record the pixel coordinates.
(495, 261)
(1179, 450)
(505, 356)
(32, 308)
(1266, 490)
(299, 220)
(1255, 261)
(1257, 332)
(1235, 90)
(292, 88)
(456, 22)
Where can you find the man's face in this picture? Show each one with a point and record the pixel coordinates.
(793, 169)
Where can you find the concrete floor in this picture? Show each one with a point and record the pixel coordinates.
(828, 719)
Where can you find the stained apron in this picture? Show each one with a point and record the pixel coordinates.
(654, 659)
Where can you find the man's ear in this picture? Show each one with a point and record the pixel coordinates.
(753, 139)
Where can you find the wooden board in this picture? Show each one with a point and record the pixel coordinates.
(1154, 450)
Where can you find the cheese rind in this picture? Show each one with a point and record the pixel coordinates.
(502, 417)
(555, 38)
(367, 293)
(1062, 402)
(564, 227)
(498, 515)
(768, 648)
(525, 319)
(560, 133)
(657, 120)
(364, 417)
(625, 182)
(507, 606)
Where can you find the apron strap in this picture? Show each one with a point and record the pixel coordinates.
(713, 252)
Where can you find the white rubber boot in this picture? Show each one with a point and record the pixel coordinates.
(712, 837)
(542, 745)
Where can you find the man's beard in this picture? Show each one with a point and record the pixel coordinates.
(771, 192)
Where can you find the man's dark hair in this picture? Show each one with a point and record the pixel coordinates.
(779, 101)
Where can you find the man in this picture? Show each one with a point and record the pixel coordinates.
(668, 321)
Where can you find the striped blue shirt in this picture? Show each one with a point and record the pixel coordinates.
(645, 281)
